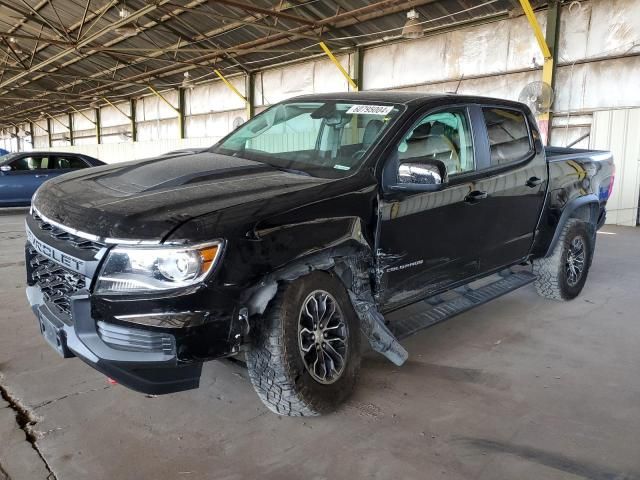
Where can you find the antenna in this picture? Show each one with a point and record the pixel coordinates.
(459, 82)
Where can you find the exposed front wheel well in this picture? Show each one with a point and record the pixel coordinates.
(305, 351)
(588, 213)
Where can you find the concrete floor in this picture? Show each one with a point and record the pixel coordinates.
(521, 388)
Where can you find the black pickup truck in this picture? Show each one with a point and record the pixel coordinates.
(322, 217)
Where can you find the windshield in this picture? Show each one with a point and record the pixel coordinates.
(324, 139)
(6, 157)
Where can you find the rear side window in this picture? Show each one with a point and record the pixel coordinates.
(67, 163)
(508, 135)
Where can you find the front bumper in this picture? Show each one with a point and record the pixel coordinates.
(152, 372)
(153, 344)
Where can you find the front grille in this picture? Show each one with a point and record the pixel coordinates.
(60, 234)
(56, 282)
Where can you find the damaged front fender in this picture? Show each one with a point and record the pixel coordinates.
(355, 267)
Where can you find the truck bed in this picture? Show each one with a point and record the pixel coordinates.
(556, 154)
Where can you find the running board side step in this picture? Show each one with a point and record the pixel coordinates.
(409, 320)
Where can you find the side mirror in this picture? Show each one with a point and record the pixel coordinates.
(421, 176)
(5, 168)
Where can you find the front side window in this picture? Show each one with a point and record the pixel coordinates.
(29, 163)
(444, 136)
(508, 135)
(325, 139)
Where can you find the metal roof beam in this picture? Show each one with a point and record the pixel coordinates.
(37, 14)
(252, 21)
(102, 10)
(55, 10)
(179, 9)
(342, 20)
(51, 41)
(11, 6)
(83, 21)
(60, 55)
(266, 11)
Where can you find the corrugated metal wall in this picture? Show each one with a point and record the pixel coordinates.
(619, 132)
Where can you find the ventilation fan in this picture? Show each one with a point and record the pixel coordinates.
(538, 96)
(237, 122)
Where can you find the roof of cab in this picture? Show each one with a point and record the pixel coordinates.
(390, 96)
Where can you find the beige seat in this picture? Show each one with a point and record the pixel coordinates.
(432, 143)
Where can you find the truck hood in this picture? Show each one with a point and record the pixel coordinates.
(147, 199)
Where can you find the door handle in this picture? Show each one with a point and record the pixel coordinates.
(475, 196)
(533, 182)
(42, 176)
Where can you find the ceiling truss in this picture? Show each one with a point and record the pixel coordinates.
(59, 55)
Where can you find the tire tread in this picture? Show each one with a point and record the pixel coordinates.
(270, 365)
(549, 270)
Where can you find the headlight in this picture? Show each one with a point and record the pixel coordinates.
(151, 269)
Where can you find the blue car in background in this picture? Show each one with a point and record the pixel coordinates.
(22, 173)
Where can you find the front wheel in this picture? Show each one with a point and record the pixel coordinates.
(305, 353)
(562, 275)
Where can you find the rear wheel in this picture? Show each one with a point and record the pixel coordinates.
(562, 275)
(305, 354)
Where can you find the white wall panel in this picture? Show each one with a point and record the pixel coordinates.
(523, 50)
(503, 86)
(564, 136)
(614, 26)
(417, 62)
(273, 86)
(40, 142)
(617, 131)
(116, 115)
(158, 130)
(40, 127)
(497, 47)
(574, 28)
(84, 137)
(153, 107)
(122, 152)
(81, 122)
(213, 125)
(280, 84)
(589, 86)
(476, 51)
(60, 124)
(327, 78)
(214, 97)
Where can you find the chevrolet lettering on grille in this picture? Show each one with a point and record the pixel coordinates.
(67, 261)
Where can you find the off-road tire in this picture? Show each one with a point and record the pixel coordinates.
(552, 278)
(274, 361)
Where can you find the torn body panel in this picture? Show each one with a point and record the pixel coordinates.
(354, 264)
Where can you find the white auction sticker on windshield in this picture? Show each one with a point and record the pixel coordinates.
(369, 109)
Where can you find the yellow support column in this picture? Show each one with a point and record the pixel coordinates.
(547, 69)
(248, 100)
(229, 85)
(173, 107)
(335, 61)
